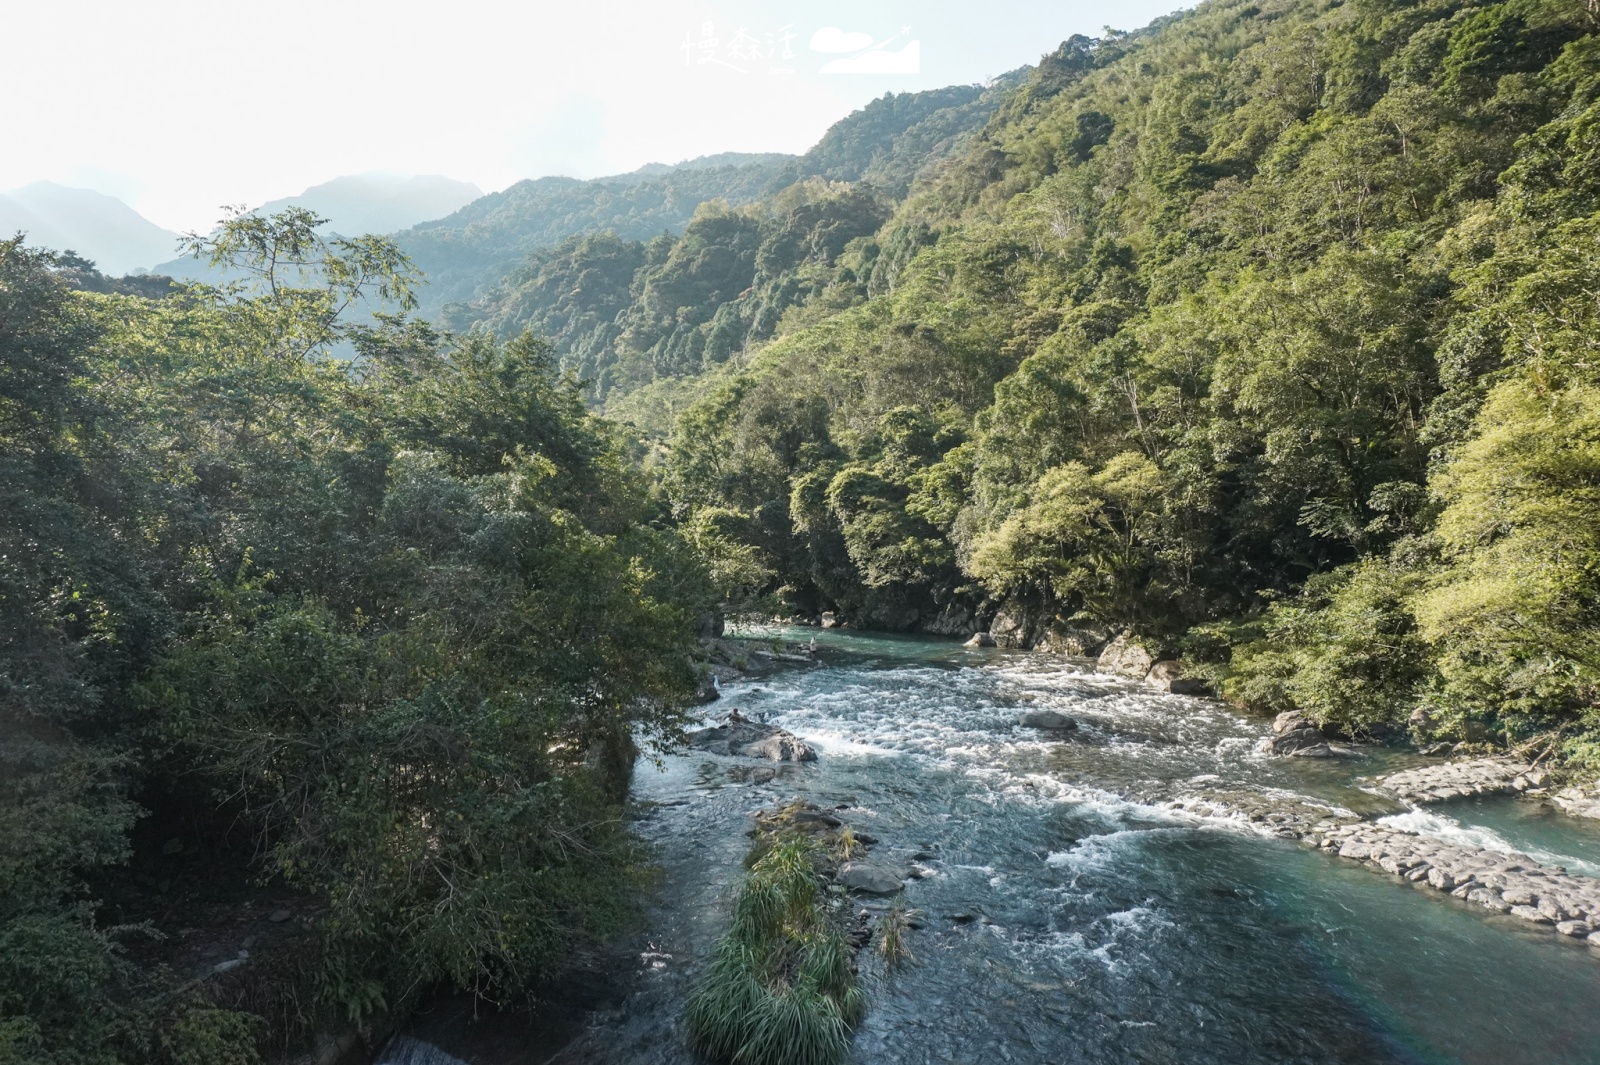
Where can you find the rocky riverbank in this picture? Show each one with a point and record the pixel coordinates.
(1514, 884)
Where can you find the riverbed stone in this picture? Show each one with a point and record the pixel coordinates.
(1170, 675)
(1578, 800)
(980, 639)
(1530, 913)
(751, 739)
(1047, 720)
(1576, 929)
(869, 878)
(1454, 780)
(1125, 657)
(1294, 735)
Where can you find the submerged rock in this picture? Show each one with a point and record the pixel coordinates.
(1048, 720)
(752, 739)
(869, 878)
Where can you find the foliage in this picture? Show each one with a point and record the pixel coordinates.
(403, 619)
(781, 989)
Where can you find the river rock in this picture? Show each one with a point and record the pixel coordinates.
(829, 620)
(1579, 801)
(1048, 720)
(1125, 658)
(1453, 780)
(751, 739)
(1575, 929)
(980, 639)
(1295, 736)
(1169, 676)
(869, 878)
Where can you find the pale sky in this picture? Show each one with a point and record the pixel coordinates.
(180, 106)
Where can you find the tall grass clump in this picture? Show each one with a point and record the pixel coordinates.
(782, 989)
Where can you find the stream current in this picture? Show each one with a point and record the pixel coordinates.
(1071, 915)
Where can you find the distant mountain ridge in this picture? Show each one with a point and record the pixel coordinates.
(100, 228)
(380, 203)
(887, 143)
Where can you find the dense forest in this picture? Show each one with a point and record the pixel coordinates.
(383, 633)
(1267, 334)
(1264, 333)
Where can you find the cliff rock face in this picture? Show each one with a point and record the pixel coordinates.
(1068, 640)
(1009, 629)
(953, 620)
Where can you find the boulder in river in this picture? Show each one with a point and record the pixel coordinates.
(1169, 675)
(1047, 720)
(1580, 800)
(1295, 736)
(829, 620)
(751, 739)
(980, 639)
(869, 878)
(1126, 658)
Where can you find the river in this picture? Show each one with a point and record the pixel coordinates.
(1071, 914)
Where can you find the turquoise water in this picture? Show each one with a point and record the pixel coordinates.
(1071, 916)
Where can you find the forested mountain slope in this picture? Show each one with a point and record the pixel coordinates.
(625, 307)
(1268, 332)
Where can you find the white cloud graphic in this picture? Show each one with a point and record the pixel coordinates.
(907, 60)
(833, 39)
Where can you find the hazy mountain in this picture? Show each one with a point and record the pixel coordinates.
(887, 143)
(380, 203)
(98, 227)
(476, 246)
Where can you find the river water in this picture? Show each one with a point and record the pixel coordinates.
(1071, 914)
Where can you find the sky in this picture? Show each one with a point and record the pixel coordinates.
(181, 106)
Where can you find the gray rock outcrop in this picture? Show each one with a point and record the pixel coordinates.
(869, 878)
(1066, 640)
(1169, 675)
(1125, 658)
(1579, 801)
(1008, 630)
(1047, 720)
(1456, 780)
(751, 739)
(1294, 736)
(980, 639)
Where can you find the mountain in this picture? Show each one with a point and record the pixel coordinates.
(470, 250)
(622, 313)
(380, 203)
(98, 227)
